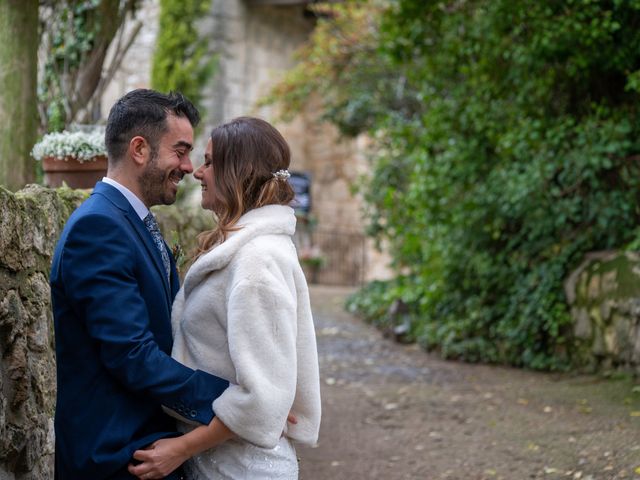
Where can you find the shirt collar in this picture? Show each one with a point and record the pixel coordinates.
(135, 202)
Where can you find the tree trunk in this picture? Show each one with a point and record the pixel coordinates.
(18, 95)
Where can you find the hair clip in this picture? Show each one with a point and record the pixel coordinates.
(282, 174)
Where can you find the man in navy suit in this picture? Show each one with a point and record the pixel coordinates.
(113, 281)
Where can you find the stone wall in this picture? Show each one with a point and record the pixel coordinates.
(30, 223)
(254, 45)
(604, 295)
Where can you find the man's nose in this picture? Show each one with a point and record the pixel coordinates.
(187, 166)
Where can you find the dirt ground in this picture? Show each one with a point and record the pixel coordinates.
(391, 411)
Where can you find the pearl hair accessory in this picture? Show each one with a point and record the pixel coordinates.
(282, 174)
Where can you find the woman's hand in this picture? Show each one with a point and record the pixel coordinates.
(159, 459)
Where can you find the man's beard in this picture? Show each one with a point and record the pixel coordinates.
(153, 184)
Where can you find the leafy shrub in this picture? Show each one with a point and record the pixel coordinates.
(505, 146)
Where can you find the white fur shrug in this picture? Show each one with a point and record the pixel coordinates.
(243, 314)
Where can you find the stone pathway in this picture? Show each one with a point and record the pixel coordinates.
(392, 411)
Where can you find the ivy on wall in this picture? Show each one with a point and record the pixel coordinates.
(181, 61)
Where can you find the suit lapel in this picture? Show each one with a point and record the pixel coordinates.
(130, 214)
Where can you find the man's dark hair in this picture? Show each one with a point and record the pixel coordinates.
(144, 112)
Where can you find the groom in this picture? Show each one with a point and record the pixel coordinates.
(113, 281)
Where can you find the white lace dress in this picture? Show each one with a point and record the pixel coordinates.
(237, 459)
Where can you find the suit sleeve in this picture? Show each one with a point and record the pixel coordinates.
(261, 331)
(99, 277)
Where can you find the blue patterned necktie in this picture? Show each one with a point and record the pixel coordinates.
(152, 226)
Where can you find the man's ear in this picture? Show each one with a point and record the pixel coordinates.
(139, 150)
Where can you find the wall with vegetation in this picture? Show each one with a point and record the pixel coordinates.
(30, 223)
(181, 61)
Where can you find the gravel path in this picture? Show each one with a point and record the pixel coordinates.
(392, 411)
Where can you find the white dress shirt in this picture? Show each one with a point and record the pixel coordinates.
(135, 202)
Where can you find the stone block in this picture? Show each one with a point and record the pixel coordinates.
(604, 292)
(582, 327)
(593, 290)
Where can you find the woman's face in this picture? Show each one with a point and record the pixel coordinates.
(205, 175)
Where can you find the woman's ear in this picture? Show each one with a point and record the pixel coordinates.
(139, 150)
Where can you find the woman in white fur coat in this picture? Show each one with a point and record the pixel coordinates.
(243, 314)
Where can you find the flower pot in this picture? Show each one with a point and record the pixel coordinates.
(74, 173)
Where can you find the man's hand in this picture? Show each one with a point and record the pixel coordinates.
(165, 455)
(159, 459)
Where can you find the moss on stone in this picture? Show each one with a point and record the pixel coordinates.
(609, 290)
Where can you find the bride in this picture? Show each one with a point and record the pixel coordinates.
(243, 314)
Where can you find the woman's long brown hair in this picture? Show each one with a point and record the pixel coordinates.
(247, 151)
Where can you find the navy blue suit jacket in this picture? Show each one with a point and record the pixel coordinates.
(112, 309)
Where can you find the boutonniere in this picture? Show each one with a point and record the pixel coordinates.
(176, 250)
